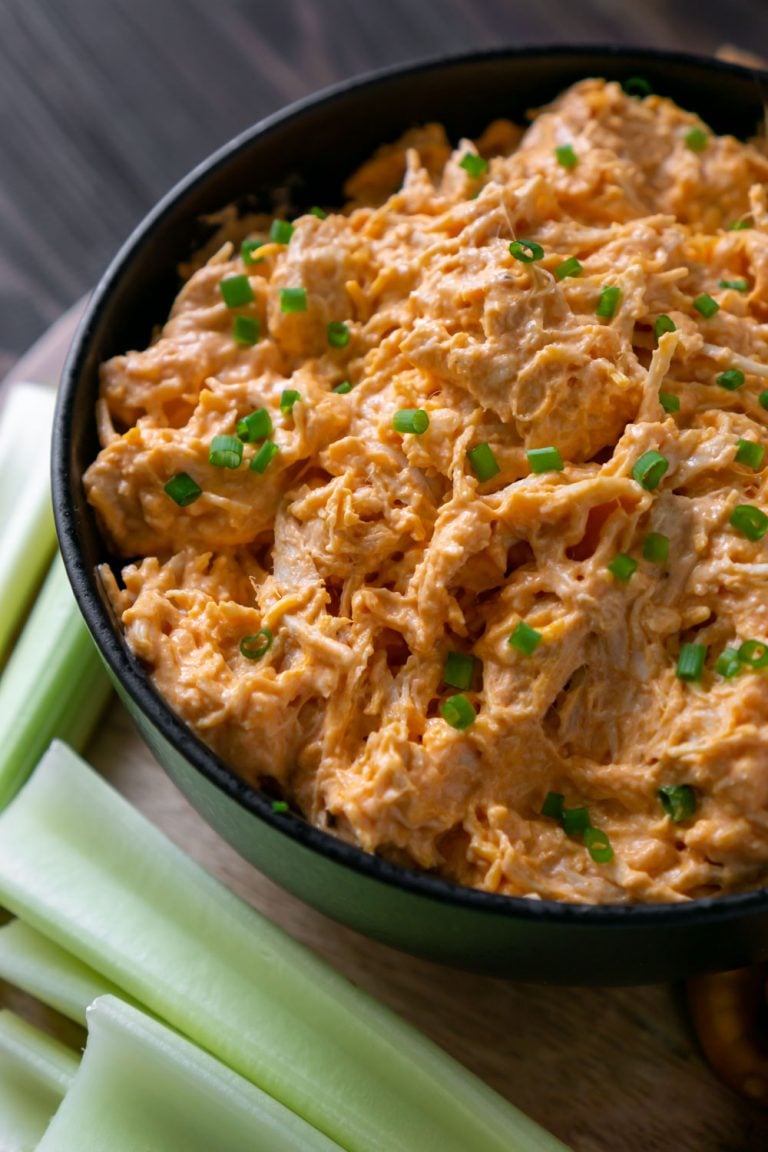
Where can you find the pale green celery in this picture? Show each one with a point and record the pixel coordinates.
(57, 978)
(54, 684)
(84, 867)
(27, 537)
(142, 1086)
(35, 1072)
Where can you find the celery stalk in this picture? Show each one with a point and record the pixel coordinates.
(54, 683)
(142, 1086)
(44, 970)
(82, 866)
(27, 537)
(35, 1072)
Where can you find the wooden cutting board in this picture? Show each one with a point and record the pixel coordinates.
(604, 1069)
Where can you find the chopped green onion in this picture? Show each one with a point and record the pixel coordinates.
(225, 452)
(545, 460)
(663, 324)
(255, 426)
(738, 285)
(656, 548)
(526, 251)
(637, 86)
(245, 330)
(697, 139)
(474, 165)
(739, 226)
(459, 670)
(690, 662)
(264, 456)
(751, 521)
(236, 291)
(255, 646)
(732, 379)
(598, 844)
(649, 469)
(287, 400)
(280, 806)
(293, 300)
(622, 567)
(413, 420)
(763, 399)
(750, 453)
(320, 213)
(338, 334)
(678, 801)
(483, 462)
(705, 305)
(569, 267)
(754, 653)
(342, 388)
(553, 805)
(728, 663)
(575, 821)
(281, 232)
(458, 712)
(669, 402)
(566, 156)
(525, 639)
(182, 489)
(247, 249)
(608, 302)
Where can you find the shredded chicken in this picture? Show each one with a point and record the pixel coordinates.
(369, 555)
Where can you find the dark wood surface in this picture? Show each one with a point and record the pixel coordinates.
(104, 104)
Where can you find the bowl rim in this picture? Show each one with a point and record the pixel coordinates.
(135, 681)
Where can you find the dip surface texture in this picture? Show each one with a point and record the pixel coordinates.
(368, 554)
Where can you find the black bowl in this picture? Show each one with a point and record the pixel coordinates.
(310, 148)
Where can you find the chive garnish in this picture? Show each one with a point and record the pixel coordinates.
(459, 669)
(255, 646)
(754, 653)
(182, 489)
(247, 249)
(483, 462)
(678, 801)
(738, 285)
(474, 165)
(280, 807)
(739, 226)
(338, 334)
(705, 305)
(545, 460)
(293, 299)
(225, 452)
(649, 469)
(690, 662)
(245, 330)
(598, 845)
(281, 232)
(264, 456)
(553, 805)
(750, 521)
(566, 156)
(525, 639)
(255, 426)
(669, 402)
(750, 453)
(763, 399)
(319, 212)
(663, 324)
(608, 301)
(656, 548)
(413, 420)
(342, 388)
(287, 400)
(569, 267)
(575, 821)
(728, 663)
(236, 291)
(731, 379)
(697, 139)
(458, 712)
(637, 86)
(526, 251)
(622, 567)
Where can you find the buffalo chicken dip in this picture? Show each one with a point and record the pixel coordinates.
(444, 516)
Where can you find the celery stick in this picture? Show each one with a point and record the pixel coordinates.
(142, 1086)
(35, 1072)
(80, 864)
(27, 537)
(54, 683)
(57, 978)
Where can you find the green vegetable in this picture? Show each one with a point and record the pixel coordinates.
(264, 456)
(256, 646)
(225, 452)
(320, 213)
(35, 1073)
(738, 285)
(608, 301)
(728, 663)
(245, 330)
(255, 426)
(754, 653)
(288, 398)
(750, 521)
(750, 453)
(236, 291)
(732, 379)
(637, 86)
(525, 639)
(247, 249)
(690, 662)
(656, 548)
(458, 711)
(649, 469)
(553, 805)
(763, 399)
(182, 489)
(27, 536)
(575, 821)
(414, 420)
(598, 845)
(566, 156)
(83, 866)
(544, 460)
(706, 306)
(697, 139)
(526, 251)
(54, 683)
(663, 324)
(569, 267)
(343, 388)
(622, 567)
(459, 670)
(281, 232)
(678, 802)
(739, 226)
(669, 402)
(474, 165)
(483, 462)
(293, 300)
(338, 334)
(141, 1086)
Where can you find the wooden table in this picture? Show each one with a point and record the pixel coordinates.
(102, 107)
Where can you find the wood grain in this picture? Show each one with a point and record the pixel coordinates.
(103, 106)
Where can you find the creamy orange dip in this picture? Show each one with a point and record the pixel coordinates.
(368, 555)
